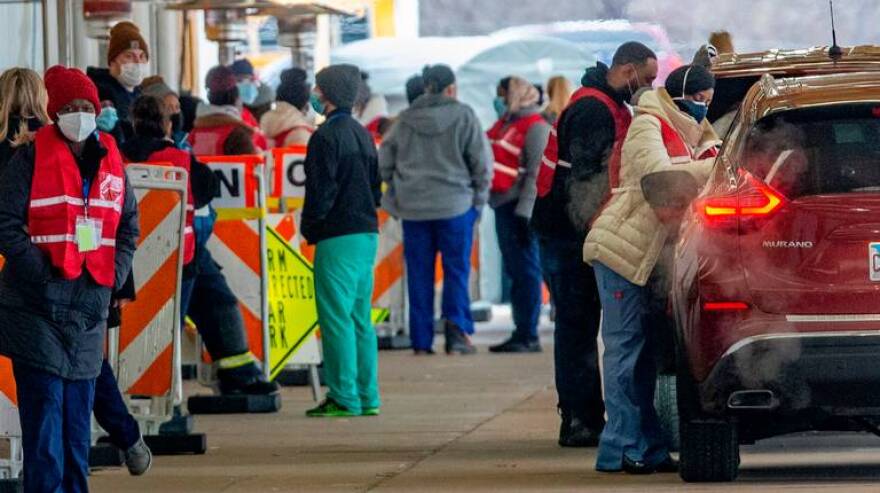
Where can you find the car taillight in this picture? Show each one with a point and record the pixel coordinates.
(725, 306)
(752, 199)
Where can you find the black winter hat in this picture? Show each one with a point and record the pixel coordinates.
(294, 88)
(688, 80)
(339, 84)
(415, 87)
(437, 78)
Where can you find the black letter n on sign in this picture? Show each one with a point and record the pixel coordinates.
(230, 183)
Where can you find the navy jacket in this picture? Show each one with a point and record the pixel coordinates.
(46, 322)
(342, 180)
(109, 89)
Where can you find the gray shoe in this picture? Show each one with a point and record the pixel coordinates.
(138, 458)
(457, 342)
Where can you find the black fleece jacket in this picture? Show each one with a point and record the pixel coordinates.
(343, 188)
(586, 139)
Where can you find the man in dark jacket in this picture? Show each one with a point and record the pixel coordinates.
(339, 216)
(586, 136)
(128, 64)
(53, 312)
(437, 163)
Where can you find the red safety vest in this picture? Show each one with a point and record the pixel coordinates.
(182, 159)
(209, 141)
(57, 200)
(677, 149)
(279, 140)
(250, 120)
(507, 141)
(622, 118)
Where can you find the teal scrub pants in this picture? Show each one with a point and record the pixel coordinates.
(344, 289)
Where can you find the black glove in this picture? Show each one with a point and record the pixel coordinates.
(521, 230)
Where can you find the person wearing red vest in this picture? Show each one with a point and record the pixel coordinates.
(219, 128)
(572, 183)
(289, 123)
(518, 139)
(624, 246)
(68, 232)
(206, 297)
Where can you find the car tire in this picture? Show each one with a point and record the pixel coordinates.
(709, 451)
(666, 404)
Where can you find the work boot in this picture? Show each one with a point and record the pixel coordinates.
(457, 341)
(574, 432)
(245, 380)
(138, 458)
(514, 345)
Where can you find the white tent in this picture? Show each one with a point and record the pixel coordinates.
(479, 63)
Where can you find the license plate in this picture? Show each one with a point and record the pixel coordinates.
(874, 261)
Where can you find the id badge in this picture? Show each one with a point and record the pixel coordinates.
(88, 234)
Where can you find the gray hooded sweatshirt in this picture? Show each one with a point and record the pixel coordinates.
(436, 161)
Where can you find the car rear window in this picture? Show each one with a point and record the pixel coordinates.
(814, 151)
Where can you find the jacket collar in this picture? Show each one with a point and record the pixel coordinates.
(658, 103)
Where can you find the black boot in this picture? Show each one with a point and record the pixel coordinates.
(245, 380)
(515, 345)
(457, 342)
(575, 432)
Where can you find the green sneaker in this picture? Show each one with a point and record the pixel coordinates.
(370, 411)
(329, 409)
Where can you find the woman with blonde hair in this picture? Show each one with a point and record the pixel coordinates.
(23, 102)
(558, 93)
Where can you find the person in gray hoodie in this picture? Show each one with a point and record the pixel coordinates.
(436, 162)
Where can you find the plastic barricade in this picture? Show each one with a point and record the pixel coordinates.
(10, 427)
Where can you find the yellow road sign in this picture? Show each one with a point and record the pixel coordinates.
(293, 315)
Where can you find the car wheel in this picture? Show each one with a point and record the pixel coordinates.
(666, 403)
(709, 451)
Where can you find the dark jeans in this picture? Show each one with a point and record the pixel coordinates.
(112, 413)
(522, 264)
(573, 288)
(422, 240)
(55, 419)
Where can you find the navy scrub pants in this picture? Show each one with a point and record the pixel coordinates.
(55, 416)
(522, 264)
(453, 238)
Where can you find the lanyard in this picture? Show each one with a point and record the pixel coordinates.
(87, 185)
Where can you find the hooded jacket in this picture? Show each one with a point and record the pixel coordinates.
(586, 139)
(627, 236)
(287, 118)
(436, 161)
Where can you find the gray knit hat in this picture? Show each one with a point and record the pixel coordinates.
(339, 84)
(156, 87)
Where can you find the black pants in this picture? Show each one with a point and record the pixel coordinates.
(573, 288)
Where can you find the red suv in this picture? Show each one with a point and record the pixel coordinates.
(775, 285)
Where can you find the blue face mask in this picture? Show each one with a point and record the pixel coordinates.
(248, 92)
(500, 106)
(697, 109)
(107, 120)
(317, 105)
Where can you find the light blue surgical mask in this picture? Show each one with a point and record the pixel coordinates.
(317, 105)
(500, 106)
(248, 92)
(107, 120)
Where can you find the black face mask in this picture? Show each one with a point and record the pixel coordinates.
(176, 123)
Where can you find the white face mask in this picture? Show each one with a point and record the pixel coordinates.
(132, 74)
(77, 126)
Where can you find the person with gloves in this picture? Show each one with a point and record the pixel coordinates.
(289, 123)
(339, 217)
(437, 164)
(128, 58)
(518, 139)
(68, 232)
(669, 132)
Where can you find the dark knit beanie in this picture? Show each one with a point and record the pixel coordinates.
(242, 67)
(415, 87)
(437, 78)
(67, 84)
(340, 84)
(688, 80)
(125, 36)
(294, 88)
(220, 79)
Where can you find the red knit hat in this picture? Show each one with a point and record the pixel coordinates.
(220, 79)
(66, 84)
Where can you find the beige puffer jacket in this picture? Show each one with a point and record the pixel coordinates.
(283, 118)
(627, 236)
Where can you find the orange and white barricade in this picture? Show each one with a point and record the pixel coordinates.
(146, 350)
(10, 427)
(239, 246)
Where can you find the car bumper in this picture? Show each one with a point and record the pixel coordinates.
(835, 372)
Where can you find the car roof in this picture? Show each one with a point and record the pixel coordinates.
(808, 61)
(772, 95)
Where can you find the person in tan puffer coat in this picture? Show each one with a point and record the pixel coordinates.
(289, 123)
(670, 132)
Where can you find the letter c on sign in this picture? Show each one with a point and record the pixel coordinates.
(296, 173)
